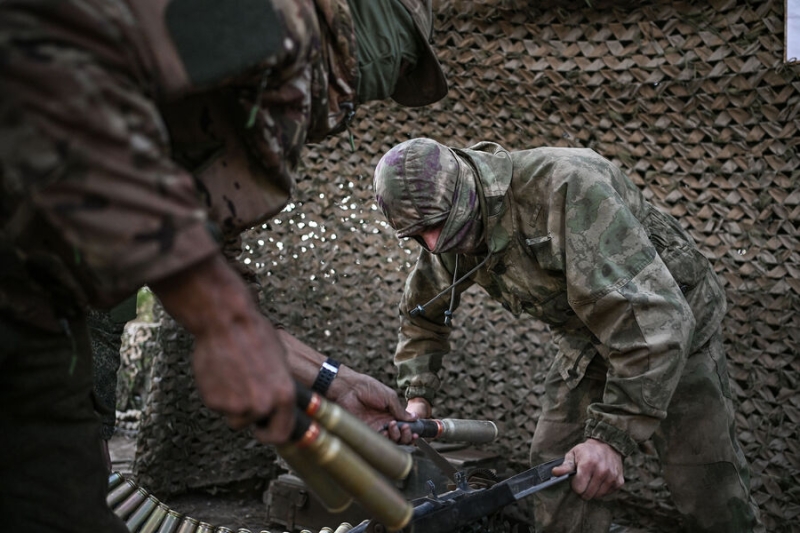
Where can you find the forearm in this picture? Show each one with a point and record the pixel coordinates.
(207, 297)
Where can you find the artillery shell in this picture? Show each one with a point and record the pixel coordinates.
(171, 522)
(120, 492)
(188, 525)
(141, 513)
(131, 503)
(151, 524)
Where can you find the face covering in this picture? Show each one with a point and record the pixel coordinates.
(421, 184)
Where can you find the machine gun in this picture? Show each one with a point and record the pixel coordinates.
(434, 513)
(467, 504)
(342, 460)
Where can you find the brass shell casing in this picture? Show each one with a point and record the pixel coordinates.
(381, 453)
(154, 520)
(138, 517)
(131, 503)
(171, 522)
(330, 494)
(187, 525)
(204, 527)
(120, 492)
(375, 494)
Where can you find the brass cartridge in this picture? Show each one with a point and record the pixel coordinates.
(154, 520)
(381, 453)
(120, 492)
(187, 525)
(138, 517)
(204, 527)
(131, 503)
(171, 522)
(330, 494)
(114, 479)
(375, 494)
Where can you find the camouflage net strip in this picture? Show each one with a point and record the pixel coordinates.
(691, 99)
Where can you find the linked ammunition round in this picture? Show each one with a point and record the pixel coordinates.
(156, 516)
(204, 527)
(120, 492)
(141, 513)
(223, 529)
(131, 503)
(188, 525)
(114, 479)
(344, 527)
(171, 522)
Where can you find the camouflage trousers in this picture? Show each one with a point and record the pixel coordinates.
(702, 462)
(52, 474)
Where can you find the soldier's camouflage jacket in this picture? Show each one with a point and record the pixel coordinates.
(575, 244)
(99, 98)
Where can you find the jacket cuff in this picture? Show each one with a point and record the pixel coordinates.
(613, 436)
(420, 392)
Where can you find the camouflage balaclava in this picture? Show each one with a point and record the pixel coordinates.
(422, 184)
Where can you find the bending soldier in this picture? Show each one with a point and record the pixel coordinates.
(635, 309)
(137, 140)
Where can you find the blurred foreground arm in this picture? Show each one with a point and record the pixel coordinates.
(239, 361)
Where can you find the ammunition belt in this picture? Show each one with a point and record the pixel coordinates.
(144, 513)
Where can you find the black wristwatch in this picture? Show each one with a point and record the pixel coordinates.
(327, 372)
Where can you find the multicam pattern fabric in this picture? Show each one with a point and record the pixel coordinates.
(622, 287)
(93, 205)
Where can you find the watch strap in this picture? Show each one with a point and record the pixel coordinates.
(327, 372)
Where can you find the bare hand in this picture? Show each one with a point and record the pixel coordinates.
(420, 407)
(239, 362)
(374, 403)
(599, 469)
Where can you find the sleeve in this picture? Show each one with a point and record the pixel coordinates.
(424, 340)
(622, 291)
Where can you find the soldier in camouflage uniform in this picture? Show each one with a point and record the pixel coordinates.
(563, 235)
(137, 140)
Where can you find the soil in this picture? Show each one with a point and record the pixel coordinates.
(234, 509)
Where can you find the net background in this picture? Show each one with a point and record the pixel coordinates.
(692, 99)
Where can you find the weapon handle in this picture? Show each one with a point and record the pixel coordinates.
(454, 429)
(378, 451)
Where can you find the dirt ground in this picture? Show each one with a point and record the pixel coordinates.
(243, 509)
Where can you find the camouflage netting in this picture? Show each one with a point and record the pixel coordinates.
(693, 100)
